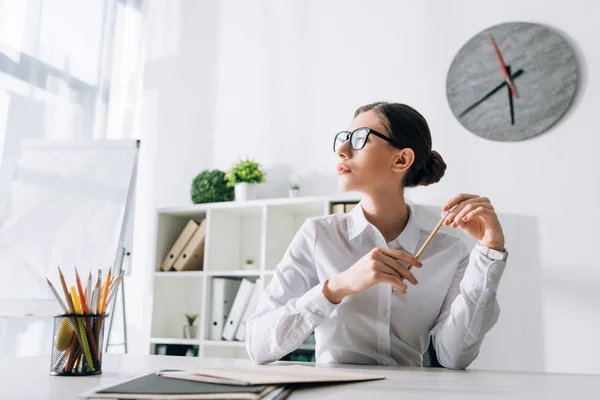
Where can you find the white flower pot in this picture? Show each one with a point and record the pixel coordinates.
(190, 331)
(294, 192)
(245, 191)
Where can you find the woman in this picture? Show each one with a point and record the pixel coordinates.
(338, 273)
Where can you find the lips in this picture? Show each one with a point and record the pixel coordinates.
(342, 169)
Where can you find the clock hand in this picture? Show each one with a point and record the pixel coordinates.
(506, 75)
(489, 94)
(510, 102)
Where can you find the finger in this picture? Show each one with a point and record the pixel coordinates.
(454, 200)
(394, 281)
(403, 256)
(451, 219)
(478, 212)
(399, 269)
(467, 209)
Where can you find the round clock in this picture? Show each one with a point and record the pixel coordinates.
(512, 81)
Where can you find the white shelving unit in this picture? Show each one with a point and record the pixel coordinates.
(260, 230)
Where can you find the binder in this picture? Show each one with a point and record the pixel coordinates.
(337, 208)
(192, 256)
(237, 309)
(350, 206)
(177, 248)
(252, 303)
(223, 295)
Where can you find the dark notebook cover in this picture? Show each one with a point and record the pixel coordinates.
(155, 384)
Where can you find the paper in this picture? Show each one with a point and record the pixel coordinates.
(270, 375)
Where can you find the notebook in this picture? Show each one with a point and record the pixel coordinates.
(153, 386)
(268, 375)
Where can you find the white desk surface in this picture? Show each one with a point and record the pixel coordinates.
(28, 378)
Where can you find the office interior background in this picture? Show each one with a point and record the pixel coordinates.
(203, 83)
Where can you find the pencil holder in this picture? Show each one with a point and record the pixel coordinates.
(77, 345)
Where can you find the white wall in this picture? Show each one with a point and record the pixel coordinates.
(275, 80)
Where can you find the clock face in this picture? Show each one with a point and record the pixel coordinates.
(542, 79)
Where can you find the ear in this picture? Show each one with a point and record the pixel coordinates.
(404, 159)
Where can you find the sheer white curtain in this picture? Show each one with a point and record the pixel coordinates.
(68, 69)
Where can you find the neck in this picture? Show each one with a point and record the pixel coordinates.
(387, 212)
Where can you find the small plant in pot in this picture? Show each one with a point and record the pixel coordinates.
(294, 190)
(248, 264)
(190, 331)
(244, 176)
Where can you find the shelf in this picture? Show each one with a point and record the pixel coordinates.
(179, 274)
(162, 340)
(224, 343)
(238, 272)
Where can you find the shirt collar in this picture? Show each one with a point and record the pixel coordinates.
(408, 239)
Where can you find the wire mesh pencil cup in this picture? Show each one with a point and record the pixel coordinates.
(77, 344)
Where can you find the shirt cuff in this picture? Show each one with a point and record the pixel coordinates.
(314, 303)
(484, 272)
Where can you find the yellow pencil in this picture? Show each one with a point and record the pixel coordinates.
(84, 342)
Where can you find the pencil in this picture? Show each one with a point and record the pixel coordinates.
(105, 293)
(62, 304)
(431, 235)
(67, 296)
(99, 288)
(113, 288)
(81, 295)
(88, 293)
(84, 342)
(114, 283)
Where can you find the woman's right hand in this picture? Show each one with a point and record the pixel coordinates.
(377, 266)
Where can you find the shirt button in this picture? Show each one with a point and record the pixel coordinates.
(385, 312)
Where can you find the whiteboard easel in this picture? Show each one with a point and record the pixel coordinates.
(70, 205)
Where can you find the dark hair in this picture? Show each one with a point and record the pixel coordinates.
(409, 129)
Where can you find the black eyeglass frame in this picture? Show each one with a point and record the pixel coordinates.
(369, 131)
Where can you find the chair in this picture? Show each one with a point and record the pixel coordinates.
(306, 353)
(430, 357)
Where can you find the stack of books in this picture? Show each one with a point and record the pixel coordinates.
(233, 301)
(272, 382)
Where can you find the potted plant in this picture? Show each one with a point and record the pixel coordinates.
(244, 176)
(248, 264)
(294, 190)
(190, 331)
(210, 186)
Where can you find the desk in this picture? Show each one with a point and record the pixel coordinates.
(28, 378)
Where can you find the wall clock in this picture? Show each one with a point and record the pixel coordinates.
(512, 81)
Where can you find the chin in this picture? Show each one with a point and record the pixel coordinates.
(346, 185)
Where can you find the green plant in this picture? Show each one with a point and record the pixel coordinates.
(245, 170)
(210, 186)
(295, 187)
(191, 318)
(250, 261)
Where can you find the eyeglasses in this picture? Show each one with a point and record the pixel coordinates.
(358, 139)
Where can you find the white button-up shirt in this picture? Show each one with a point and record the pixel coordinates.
(454, 302)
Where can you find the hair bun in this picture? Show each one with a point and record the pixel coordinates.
(432, 172)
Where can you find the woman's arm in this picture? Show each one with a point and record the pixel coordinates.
(469, 310)
(293, 304)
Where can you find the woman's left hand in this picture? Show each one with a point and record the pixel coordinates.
(476, 216)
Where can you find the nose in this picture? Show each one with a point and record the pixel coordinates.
(344, 151)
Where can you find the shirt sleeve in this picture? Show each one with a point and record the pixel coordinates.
(293, 304)
(469, 310)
